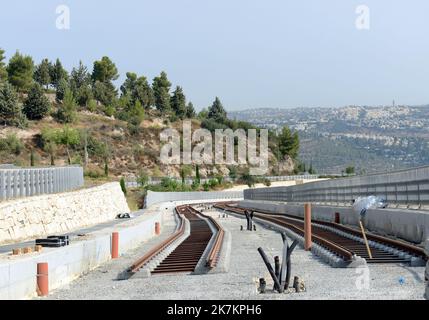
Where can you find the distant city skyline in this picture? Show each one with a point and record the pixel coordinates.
(250, 53)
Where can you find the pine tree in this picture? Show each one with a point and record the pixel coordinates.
(80, 84)
(20, 71)
(288, 143)
(42, 74)
(36, 106)
(190, 111)
(216, 112)
(3, 71)
(67, 110)
(58, 73)
(138, 89)
(62, 86)
(10, 109)
(178, 103)
(161, 91)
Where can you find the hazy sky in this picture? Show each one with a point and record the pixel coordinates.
(250, 53)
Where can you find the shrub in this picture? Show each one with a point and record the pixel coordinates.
(206, 186)
(11, 144)
(123, 187)
(92, 105)
(95, 173)
(142, 178)
(109, 111)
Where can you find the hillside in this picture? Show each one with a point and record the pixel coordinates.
(51, 116)
(369, 138)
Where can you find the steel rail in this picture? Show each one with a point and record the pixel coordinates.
(159, 248)
(213, 255)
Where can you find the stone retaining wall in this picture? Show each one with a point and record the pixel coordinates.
(26, 218)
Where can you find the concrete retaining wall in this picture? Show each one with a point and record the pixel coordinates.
(25, 218)
(18, 274)
(410, 225)
(158, 197)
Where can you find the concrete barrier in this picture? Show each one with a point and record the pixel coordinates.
(18, 274)
(410, 225)
(158, 197)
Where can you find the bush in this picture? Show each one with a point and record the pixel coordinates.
(267, 182)
(206, 186)
(11, 144)
(109, 111)
(213, 183)
(92, 105)
(94, 173)
(142, 178)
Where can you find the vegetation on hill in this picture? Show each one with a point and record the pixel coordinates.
(55, 117)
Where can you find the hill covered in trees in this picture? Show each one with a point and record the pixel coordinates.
(51, 116)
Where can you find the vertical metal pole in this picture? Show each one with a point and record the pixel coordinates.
(284, 261)
(307, 226)
(270, 270)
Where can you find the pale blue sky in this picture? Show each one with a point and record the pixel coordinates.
(250, 53)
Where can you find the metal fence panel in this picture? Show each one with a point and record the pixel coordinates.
(409, 187)
(17, 182)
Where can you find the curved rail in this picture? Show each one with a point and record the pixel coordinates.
(159, 248)
(213, 255)
(334, 242)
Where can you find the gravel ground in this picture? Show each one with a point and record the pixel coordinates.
(246, 267)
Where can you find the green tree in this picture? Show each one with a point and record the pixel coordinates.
(178, 103)
(62, 86)
(203, 114)
(58, 73)
(350, 170)
(42, 74)
(80, 84)
(104, 92)
(50, 140)
(161, 91)
(67, 110)
(197, 174)
(311, 170)
(36, 105)
(3, 71)
(138, 89)
(123, 186)
(10, 109)
(143, 178)
(104, 71)
(190, 111)
(288, 143)
(20, 71)
(69, 138)
(32, 158)
(216, 111)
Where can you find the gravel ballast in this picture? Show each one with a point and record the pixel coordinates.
(389, 281)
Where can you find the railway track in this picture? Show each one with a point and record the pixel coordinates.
(186, 256)
(344, 241)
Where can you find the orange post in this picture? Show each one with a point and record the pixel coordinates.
(157, 228)
(307, 226)
(337, 217)
(115, 245)
(42, 279)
